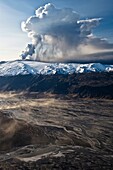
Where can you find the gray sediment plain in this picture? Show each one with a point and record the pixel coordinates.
(48, 131)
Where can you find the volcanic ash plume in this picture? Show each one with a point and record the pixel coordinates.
(60, 35)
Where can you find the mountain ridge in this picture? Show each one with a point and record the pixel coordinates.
(99, 85)
(24, 67)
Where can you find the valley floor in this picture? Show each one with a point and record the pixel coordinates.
(44, 131)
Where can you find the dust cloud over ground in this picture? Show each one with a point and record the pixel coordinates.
(50, 131)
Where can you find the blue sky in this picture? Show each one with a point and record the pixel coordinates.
(12, 13)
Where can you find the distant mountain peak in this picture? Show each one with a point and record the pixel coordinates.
(12, 68)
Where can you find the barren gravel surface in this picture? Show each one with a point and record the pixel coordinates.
(47, 131)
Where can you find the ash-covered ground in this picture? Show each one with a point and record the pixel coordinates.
(48, 131)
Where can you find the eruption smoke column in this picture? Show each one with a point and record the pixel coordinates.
(60, 35)
(29, 50)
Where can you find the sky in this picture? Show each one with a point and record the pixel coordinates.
(13, 40)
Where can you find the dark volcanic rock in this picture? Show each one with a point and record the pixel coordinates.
(45, 132)
(98, 85)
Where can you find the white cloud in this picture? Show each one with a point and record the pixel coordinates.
(60, 35)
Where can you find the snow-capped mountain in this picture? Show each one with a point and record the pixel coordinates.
(12, 68)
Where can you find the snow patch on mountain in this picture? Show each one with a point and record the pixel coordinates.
(12, 68)
(15, 68)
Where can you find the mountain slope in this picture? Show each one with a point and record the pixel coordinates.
(81, 85)
(13, 68)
